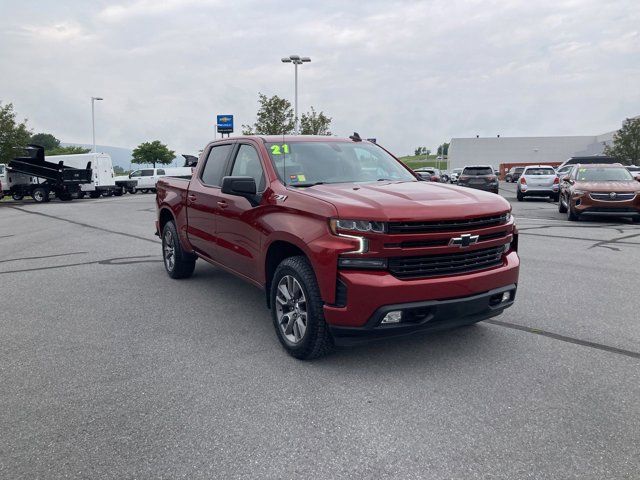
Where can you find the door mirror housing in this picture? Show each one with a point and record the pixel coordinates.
(638, 178)
(241, 187)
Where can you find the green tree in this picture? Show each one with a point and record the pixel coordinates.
(274, 117)
(46, 140)
(153, 153)
(13, 135)
(314, 123)
(626, 143)
(443, 149)
(118, 170)
(70, 150)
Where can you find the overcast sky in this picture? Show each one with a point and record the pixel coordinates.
(407, 72)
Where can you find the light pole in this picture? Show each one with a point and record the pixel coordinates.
(93, 120)
(296, 60)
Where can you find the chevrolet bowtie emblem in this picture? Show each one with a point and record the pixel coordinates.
(464, 240)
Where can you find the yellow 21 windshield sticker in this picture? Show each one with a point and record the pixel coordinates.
(279, 149)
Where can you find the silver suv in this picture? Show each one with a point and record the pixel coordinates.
(538, 181)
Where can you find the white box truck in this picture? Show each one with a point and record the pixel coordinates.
(102, 176)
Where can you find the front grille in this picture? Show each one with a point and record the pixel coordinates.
(448, 225)
(612, 210)
(619, 197)
(451, 263)
(443, 242)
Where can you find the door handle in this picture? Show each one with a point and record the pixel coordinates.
(191, 198)
(223, 204)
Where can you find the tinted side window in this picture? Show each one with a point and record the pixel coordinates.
(160, 171)
(248, 164)
(147, 173)
(213, 169)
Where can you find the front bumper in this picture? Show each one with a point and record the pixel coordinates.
(366, 292)
(428, 316)
(585, 205)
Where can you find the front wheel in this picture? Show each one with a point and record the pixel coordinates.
(177, 262)
(572, 216)
(562, 208)
(296, 310)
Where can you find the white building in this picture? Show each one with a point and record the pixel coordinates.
(536, 150)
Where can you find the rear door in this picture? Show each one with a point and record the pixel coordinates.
(238, 234)
(203, 197)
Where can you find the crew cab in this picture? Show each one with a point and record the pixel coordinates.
(347, 243)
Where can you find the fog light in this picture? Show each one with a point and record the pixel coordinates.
(393, 317)
(506, 296)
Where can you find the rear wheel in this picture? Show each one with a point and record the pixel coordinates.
(40, 194)
(81, 194)
(177, 262)
(144, 190)
(555, 197)
(94, 194)
(296, 310)
(17, 196)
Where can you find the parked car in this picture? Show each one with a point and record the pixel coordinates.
(455, 173)
(513, 174)
(633, 169)
(480, 177)
(148, 177)
(429, 174)
(600, 190)
(589, 160)
(346, 243)
(561, 172)
(538, 181)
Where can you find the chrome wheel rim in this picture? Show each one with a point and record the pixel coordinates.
(291, 309)
(38, 196)
(169, 250)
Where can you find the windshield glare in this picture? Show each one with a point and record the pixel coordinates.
(603, 174)
(305, 163)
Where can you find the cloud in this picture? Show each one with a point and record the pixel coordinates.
(407, 72)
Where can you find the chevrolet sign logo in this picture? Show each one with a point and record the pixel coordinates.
(225, 119)
(464, 240)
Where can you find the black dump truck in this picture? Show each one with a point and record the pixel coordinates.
(31, 175)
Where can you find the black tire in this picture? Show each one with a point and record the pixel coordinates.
(519, 196)
(555, 197)
(118, 192)
(65, 197)
(561, 207)
(572, 216)
(40, 194)
(183, 263)
(94, 194)
(81, 195)
(508, 179)
(17, 197)
(132, 191)
(144, 190)
(316, 340)
(152, 190)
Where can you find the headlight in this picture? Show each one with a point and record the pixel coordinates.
(508, 216)
(357, 226)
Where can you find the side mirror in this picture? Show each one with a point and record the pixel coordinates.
(566, 178)
(638, 178)
(241, 187)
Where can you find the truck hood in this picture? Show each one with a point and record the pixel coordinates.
(407, 201)
(606, 187)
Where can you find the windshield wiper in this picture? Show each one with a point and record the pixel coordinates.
(306, 184)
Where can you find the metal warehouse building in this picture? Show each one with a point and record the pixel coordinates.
(535, 150)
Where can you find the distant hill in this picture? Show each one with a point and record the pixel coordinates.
(119, 156)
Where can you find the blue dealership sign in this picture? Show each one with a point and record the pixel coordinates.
(224, 123)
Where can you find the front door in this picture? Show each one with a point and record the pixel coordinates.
(203, 198)
(238, 233)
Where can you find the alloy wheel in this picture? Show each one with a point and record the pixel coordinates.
(291, 309)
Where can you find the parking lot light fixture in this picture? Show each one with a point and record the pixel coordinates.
(93, 120)
(296, 60)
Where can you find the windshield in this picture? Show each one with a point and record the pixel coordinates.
(1, 169)
(603, 174)
(540, 171)
(477, 171)
(308, 163)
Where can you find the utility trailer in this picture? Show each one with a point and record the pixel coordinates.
(33, 176)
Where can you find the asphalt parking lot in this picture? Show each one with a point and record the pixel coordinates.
(109, 369)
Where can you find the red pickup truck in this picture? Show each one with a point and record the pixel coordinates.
(346, 242)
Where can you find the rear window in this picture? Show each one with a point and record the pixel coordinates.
(540, 171)
(475, 171)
